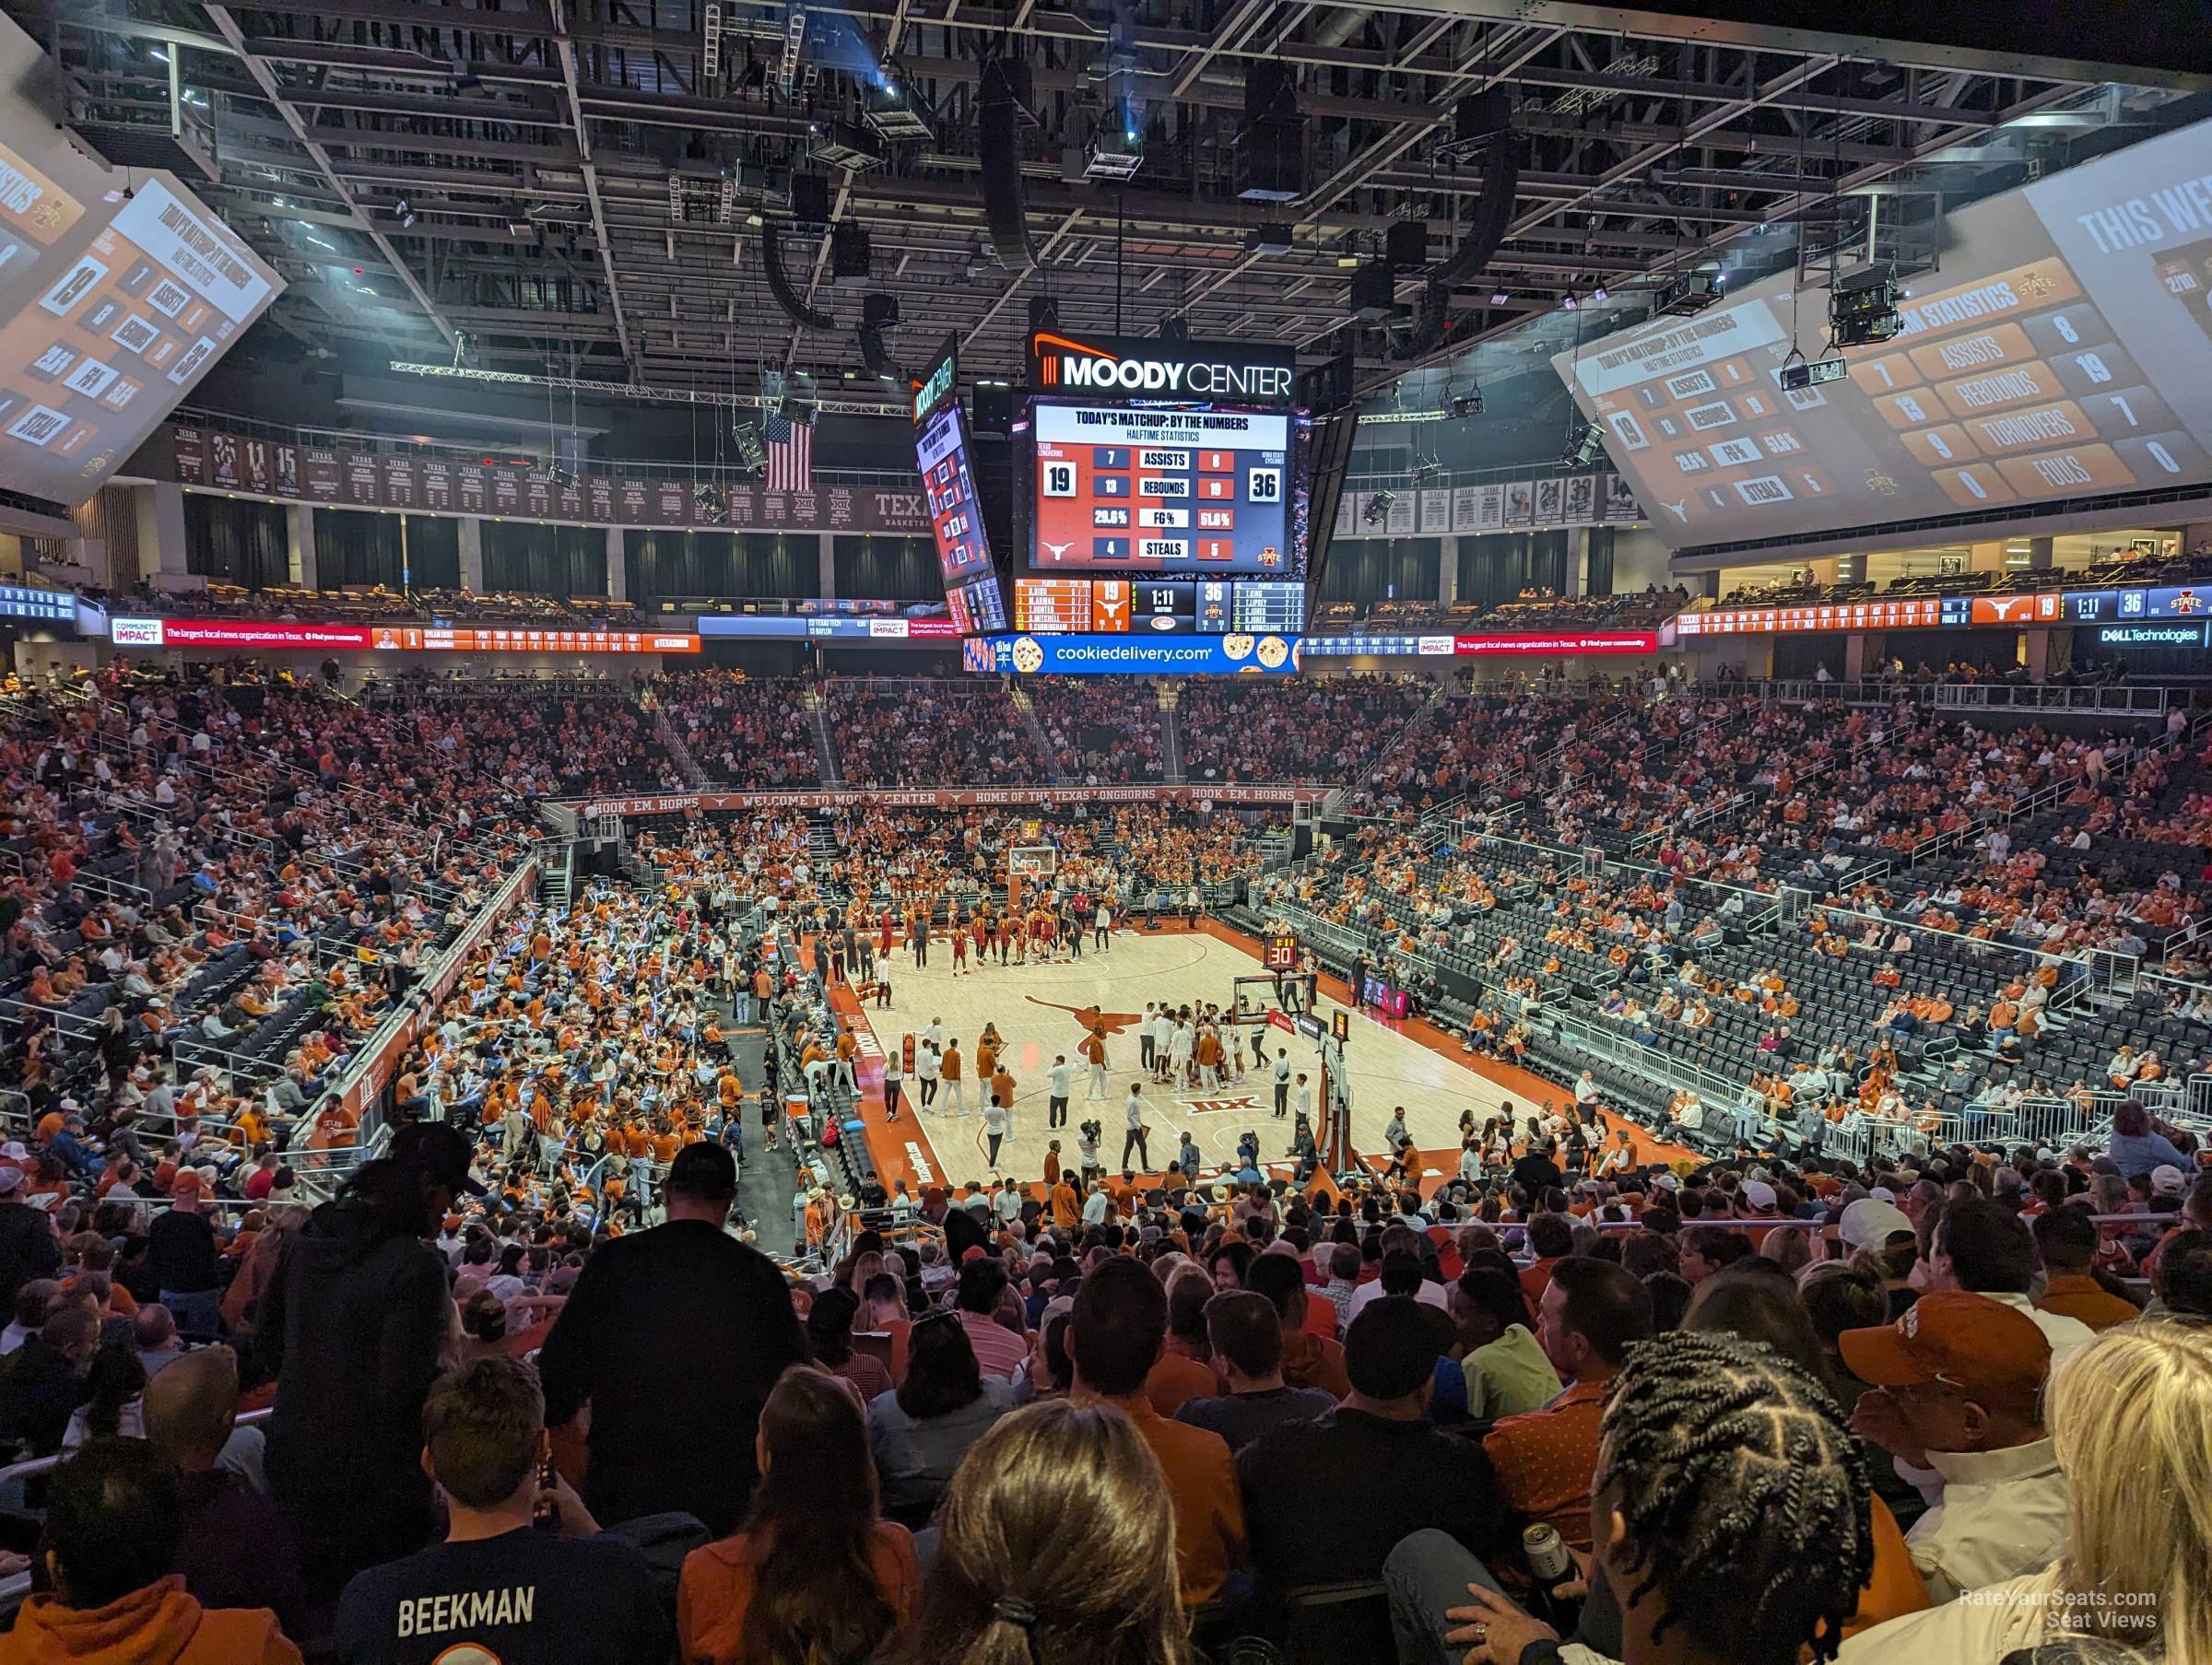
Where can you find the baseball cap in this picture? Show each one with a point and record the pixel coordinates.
(440, 1151)
(1882, 1193)
(1869, 1223)
(10, 1179)
(1980, 1346)
(2166, 1181)
(1759, 1193)
(1666, 1182)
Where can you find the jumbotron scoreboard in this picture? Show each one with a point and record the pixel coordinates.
(1163, 459)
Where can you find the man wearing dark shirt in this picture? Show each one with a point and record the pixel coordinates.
(500, 1587)
(1536, 1172)
(674, 1337)
(43, 1381)
(28, 1246)
(1247, 1339)
(182, 1262)
(1389, 1353)
(238, 1550)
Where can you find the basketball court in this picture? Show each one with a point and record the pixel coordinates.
(1044, 1010)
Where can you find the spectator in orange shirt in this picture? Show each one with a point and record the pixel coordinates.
(1591, 1314)
(1309, 1360)
(2065, 1239)
(1552, 1237)
(815, 1571)
(1184, 1373)
(1114, 1338)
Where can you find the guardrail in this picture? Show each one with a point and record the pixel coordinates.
(377, 1061)
(2109, 697)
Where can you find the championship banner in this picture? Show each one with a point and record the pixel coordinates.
(949, 797)
(346, 478)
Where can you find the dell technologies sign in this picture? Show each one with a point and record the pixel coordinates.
(1232, 372)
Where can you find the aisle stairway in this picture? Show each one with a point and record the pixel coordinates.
(678, 748)
(833, 773)
(1170, 733)
(1028, 707)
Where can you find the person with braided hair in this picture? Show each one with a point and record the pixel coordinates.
(1730, 1517)
(1056, 1544)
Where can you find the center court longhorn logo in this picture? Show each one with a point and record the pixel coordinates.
(1090, 1017)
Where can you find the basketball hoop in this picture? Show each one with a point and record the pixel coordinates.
(1028, 863)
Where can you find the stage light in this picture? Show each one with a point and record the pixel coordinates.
(1686, 297)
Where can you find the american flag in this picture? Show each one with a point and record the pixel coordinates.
(789, 453)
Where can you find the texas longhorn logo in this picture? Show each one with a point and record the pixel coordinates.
(1090, 1017)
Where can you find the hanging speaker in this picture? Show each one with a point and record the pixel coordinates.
(809, 201)
(1006, 197)
(1493, 215)
(850, 255)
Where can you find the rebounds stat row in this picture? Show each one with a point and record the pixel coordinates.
(1131, 488)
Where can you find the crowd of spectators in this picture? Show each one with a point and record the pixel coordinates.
(927, 734)
(533, 1396)
(1905, 1405)
(751, 732)
(1236, 729)
(366, 602)
(1101, 730)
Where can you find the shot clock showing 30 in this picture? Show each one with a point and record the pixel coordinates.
(1189, 491)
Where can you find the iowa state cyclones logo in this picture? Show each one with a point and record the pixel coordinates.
(1090, 1017)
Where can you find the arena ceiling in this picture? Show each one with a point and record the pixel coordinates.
(581, 186)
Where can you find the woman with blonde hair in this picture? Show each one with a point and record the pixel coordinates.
(1057, 1548)
(2131, 1413)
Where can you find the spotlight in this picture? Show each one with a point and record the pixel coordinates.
(1582, 449)
(1378, 506)
(1114, 155)
(1500, 298)
(887, 107)
(1598, 293)
(1569, 303)
(1686, 297)
(1865, 311)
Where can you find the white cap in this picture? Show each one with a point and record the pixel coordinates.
(1759, 1193)
(1870, 1223)
(2166, 1181)
(1882, 1193)
(1666, 1182)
